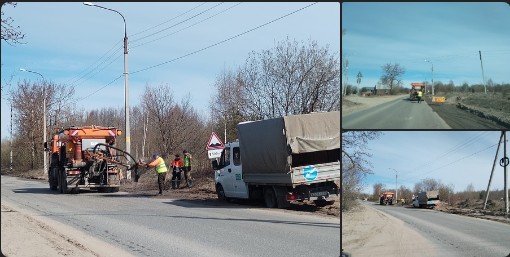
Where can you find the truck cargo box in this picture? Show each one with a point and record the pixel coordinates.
(292, 149)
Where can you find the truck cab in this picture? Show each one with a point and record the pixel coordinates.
(228, 174)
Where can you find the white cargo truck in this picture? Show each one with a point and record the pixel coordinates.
(428, 199)
(292, 158)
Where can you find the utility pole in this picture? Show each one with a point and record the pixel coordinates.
(432, 78)
(396, 188)
(344, 88)
(483, 75)
(10, 154)
(492, 172)
(504, 163)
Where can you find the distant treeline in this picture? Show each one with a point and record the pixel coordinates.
(449, 87)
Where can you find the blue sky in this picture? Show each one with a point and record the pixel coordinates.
(449, 35)
(456, 157)
(70, 43)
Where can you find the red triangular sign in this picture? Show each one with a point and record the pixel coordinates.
(214, 143)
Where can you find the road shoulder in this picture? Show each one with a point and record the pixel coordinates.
(47, 237)
(369, 232)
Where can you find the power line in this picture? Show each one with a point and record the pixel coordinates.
(167, 28)
(223, 41)
(446, 165)
(448, 152)
(82, 98)
(192, 25)
(168, 20)
(97, 64)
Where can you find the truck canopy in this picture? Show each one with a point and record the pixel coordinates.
(267, 146)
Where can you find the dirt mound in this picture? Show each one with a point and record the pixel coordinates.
(474, 110)
(474, 208)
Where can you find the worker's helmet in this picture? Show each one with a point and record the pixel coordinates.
(155, 155)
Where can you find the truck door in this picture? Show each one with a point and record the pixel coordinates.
(238, 186)
(226, 172)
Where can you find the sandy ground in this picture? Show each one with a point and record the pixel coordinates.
(355, 103)
(25, 234)
(368, 232)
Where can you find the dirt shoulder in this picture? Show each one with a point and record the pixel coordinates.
(355, 103)
(25, 234)
(461, 116)
(471, 208)
(369, 232)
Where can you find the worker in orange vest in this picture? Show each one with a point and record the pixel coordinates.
(176, 165)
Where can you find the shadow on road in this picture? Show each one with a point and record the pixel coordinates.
(240, 204)
(47, 191)
(35, 191)
(315, 224)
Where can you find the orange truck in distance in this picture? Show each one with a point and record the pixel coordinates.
(415, 87)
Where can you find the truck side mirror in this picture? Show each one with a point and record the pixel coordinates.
(215, 165)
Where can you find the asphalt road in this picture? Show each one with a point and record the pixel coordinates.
(397, 114)
(162, 227)
(455, 235)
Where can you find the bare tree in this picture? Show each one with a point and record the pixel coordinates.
(292, 78)
(11, 34)
(27, 117)
(405, 193)
(430, 184)
(158, 102)
(392, 75)
(355, 164)
(378, 188)
(427, 184)
(229, 103)
(419, 187)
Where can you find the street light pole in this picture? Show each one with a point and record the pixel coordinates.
(396, 189)
(44, 116)
(432, 77)
(126, 88)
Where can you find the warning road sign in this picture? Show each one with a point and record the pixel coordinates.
(214, 143)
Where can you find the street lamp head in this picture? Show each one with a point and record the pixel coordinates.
(89, 3)
(21, 69)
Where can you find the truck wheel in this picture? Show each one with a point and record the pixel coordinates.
(63, 182)
(59, 181)
(270, 197)
(53, 181)
(221, 193)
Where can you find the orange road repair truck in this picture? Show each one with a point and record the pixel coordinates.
(291, 158)
(386, 198)
(86, 157)
(415, 87)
